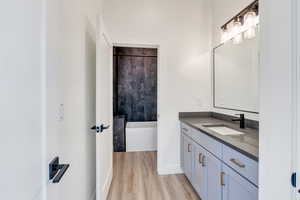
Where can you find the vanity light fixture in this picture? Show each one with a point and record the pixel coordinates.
(242, 26)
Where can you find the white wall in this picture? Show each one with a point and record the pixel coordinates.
(21, 99)
(222, 11)
(70, 33)
(182, 31)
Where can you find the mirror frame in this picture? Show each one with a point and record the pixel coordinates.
(214, 87)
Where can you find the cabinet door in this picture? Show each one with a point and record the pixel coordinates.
(235, 187)
(182, 152)
(188, 157)
(213, 169)
(200, 172)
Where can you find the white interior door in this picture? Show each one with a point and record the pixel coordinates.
(296, 16)
(104, 116)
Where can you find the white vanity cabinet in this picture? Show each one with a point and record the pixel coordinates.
(235, 187)
(202, 169)
(200, 172)
(245, 166)
(188, 157)
(216, 177)
(213, 169)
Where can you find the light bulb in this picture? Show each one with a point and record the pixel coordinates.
(238, 39)
(250, 19)
(237, 25)
(250, 33)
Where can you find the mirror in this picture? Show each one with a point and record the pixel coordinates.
(236, 76)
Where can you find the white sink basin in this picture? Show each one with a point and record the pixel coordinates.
(224, 130)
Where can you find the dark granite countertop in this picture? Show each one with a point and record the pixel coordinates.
(246, 144)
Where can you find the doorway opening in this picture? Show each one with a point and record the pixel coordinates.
(135, 89)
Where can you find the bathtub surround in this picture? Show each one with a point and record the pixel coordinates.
(141, 136)
(135, 83)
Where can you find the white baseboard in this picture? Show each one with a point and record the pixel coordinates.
(107, 184)
(170, 169)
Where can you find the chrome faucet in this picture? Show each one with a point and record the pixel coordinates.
(241, 119)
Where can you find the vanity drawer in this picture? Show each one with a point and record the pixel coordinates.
(209, 143)
(186, 129)
(241, 163)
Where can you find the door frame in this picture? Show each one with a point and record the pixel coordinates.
(159, 68)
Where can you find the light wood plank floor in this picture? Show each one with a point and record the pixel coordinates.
(135, 178)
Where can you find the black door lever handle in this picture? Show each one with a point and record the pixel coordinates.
(57, 170)
(63, 168)
(97, 128)
(102, 127)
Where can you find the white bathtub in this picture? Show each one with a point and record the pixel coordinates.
(141, 136)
